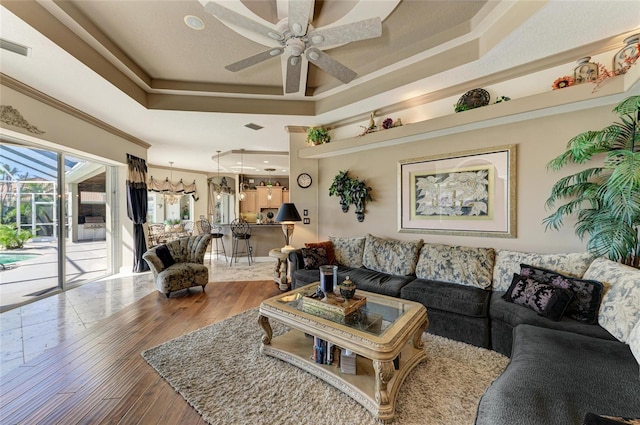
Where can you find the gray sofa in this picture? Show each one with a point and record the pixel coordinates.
(559, 370)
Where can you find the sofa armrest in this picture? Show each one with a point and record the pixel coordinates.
(295, 260)
(154, 261)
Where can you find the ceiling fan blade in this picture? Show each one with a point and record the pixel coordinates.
(235, 18)
(294, 66)
(252, 60)
(361, 30)
(331, 66)
(300, 13)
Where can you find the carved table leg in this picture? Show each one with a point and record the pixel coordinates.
(384, 372)
(276, 271)
(417, 337)
(284, 278)
(266, 327)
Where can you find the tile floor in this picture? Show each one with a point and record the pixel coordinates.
(28, 331)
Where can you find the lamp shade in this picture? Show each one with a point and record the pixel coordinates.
(288, 212)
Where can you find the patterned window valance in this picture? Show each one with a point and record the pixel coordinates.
(169, 188)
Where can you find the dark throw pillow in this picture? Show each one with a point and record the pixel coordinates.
(593, 419)
(165, 256)
(313, 258)
(328, 246)
(542, 298)
(587, 293)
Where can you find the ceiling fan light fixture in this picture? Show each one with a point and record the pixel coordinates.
(194, 22)
(295, 46)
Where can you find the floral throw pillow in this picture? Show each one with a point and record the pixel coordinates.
(508, 263)
(313, 258)
(391, 256)
(620, 306)
(587, 293)
(348, 251)
(542, 298)
(328, 246)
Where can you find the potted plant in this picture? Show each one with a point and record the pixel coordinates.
(606, 198)
(340, 187)
(359, 195)
(259, 218)
(318, 135)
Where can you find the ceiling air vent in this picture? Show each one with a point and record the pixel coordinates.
(14, 47)
(253, 126)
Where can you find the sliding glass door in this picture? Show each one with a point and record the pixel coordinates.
(54, 211)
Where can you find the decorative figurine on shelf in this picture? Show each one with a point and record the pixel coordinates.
(347, 289)
(371, 127)
(259, 218)
(270, 217)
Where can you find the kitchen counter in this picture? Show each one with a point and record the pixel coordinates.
(264, 237)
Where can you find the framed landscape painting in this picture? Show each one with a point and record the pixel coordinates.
(471, 193)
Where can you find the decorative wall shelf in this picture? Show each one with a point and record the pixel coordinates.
(569, 99)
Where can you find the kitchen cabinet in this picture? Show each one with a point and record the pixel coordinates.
(249, 205)
(285, 196)
(263, 197)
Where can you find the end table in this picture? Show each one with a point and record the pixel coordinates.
(280, 273)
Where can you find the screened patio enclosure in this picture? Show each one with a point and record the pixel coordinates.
(63, 202)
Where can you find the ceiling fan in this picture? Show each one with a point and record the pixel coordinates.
(296, 36)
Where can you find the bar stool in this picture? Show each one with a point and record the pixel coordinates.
(240, 231)
(216, 234)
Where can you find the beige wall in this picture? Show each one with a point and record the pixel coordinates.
(538, 141)
(66, 132)
(303, 198)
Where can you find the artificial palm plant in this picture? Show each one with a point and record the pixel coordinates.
(605, 198)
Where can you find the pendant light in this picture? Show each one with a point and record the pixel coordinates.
(269, 184)
(219, 191)
(242, 195)
(170, 197)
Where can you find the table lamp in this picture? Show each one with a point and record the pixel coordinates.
(287, 214)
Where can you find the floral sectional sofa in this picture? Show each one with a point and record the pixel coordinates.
(574, 347)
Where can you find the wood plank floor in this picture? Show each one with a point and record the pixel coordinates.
(100, 377)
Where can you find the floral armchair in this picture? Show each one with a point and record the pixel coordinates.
(179, 264)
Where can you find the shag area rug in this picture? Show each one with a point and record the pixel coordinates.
(219, 370)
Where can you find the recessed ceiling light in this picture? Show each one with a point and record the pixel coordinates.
(194, 22)
(284, 171)
(266, 162)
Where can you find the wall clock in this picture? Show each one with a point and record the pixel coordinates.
(304, 180)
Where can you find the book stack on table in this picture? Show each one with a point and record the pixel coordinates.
(323, 351)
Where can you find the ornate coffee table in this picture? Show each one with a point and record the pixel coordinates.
(390, 329)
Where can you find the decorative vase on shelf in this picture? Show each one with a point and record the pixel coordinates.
(347, 289)
(586, 71)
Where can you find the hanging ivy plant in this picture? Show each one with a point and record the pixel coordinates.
(341, 187)
(351, 191)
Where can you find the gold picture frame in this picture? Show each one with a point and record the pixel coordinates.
(470, 193)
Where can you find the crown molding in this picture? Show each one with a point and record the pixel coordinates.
(29, 91)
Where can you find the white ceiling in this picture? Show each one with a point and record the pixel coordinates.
(191, 138)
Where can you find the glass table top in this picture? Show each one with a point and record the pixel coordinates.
(375, 317)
